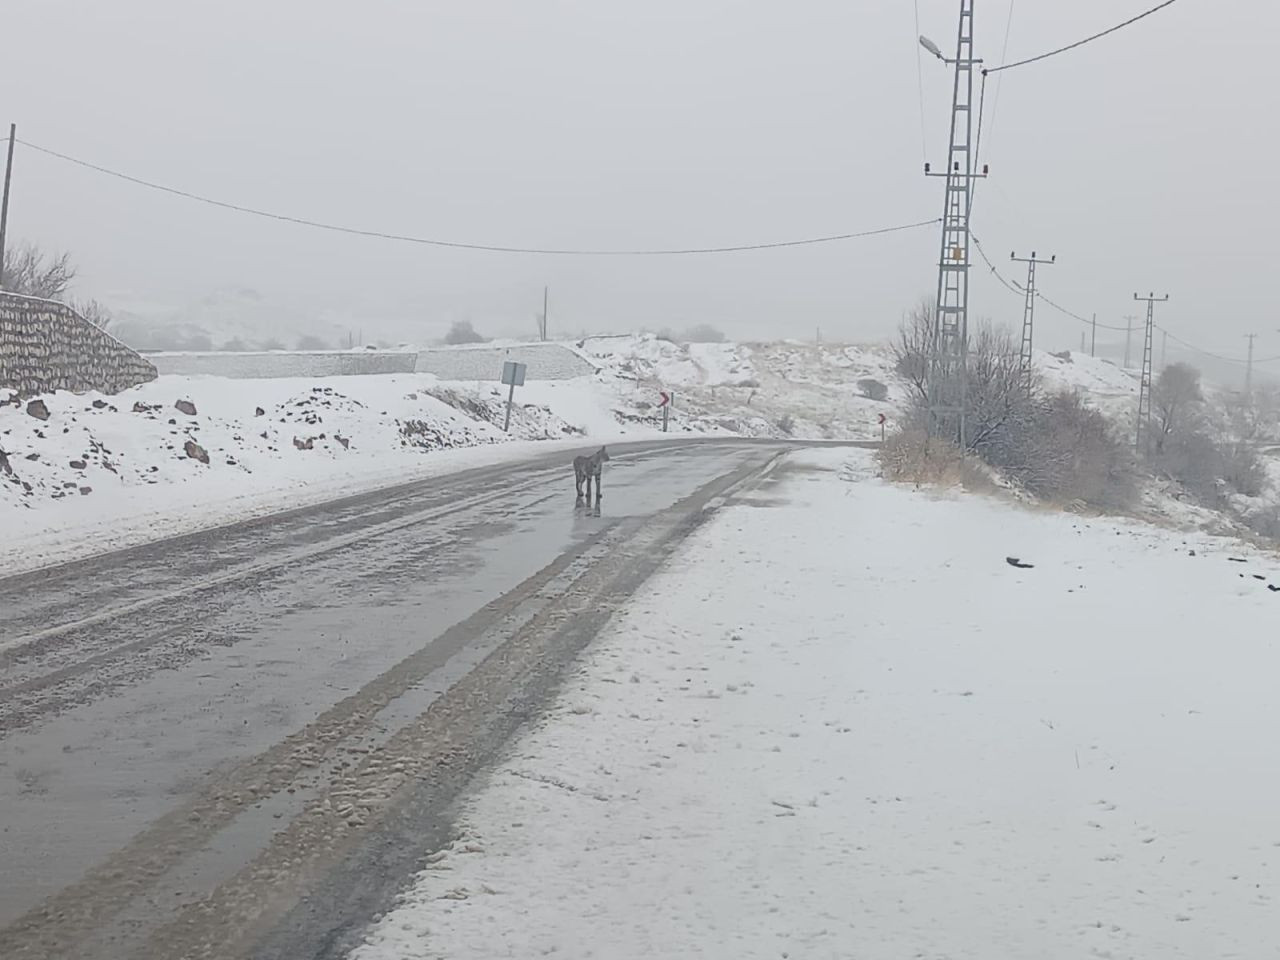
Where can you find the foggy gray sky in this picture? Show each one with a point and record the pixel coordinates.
(1140, 160)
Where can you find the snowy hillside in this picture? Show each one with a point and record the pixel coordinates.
(802, 390)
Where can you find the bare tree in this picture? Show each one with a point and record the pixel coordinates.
(463, 332)
(27, 270)
(1174, 393)
(994, 391)
(94, 312)
(704, 333)
(913, 346)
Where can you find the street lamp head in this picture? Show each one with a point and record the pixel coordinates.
(931, 47)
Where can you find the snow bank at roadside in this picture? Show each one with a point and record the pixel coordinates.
(102, 472)
(892, 744)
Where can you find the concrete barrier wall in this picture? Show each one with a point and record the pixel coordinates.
(47, 346)
(546, 361)
(279, 363)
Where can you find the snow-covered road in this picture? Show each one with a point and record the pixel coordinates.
(200, 735)
(841, 724)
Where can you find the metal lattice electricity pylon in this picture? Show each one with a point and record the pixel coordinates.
(949, 343)
(1028, 314)
(1142, 433)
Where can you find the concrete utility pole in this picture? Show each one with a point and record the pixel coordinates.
(948, 370)
(1144, 388)
(1128, 336)
(1028, 314)
(1248, 368)
(1093, 336)
(542, 324)
(4, 203)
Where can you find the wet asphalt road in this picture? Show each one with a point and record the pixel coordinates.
(187, 725)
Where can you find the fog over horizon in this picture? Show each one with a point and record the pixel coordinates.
(1138, 160)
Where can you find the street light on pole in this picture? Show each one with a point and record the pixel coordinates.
(932, 48)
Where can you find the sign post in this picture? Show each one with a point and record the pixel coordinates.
(665, 404)
(882, 420)
(512, 374)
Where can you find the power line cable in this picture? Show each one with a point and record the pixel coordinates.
(491, 248)
(924, 140)
(1081, 43)
(1209, 353)
(1004, 52)
(1075, 316)
(1011, 286)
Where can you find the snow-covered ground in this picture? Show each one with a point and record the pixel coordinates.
(890, 743)
(788, 388)
(103, 472)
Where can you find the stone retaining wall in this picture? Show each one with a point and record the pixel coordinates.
(47, 346)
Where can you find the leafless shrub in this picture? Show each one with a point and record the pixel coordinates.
(1174, 395)
(704, 333)
(27, 270)
(995, 393)
(94, 312)
(310, 341)
(1054, 447)
(1065, 452)
(463, 332)
(786, 424)
(910, 455)
(872, 389)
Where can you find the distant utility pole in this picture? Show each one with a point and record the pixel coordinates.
(948, 370)
(1143, 429)
(4, 203)
(542, 323)
(1128, 336)
(1248, 369)
(1028, 314)
(1093, 336)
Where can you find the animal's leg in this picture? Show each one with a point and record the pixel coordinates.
(577, 482)
(588, 486)
(599, 487)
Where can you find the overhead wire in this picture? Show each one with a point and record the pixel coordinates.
(488, 247)
(924, 140)
(1004, 52)
(1081, 43)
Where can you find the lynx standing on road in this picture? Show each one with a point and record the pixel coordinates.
(586, 468)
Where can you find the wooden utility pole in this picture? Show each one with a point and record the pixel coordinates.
(4, 204)
(1093, 336)
(543, 326)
